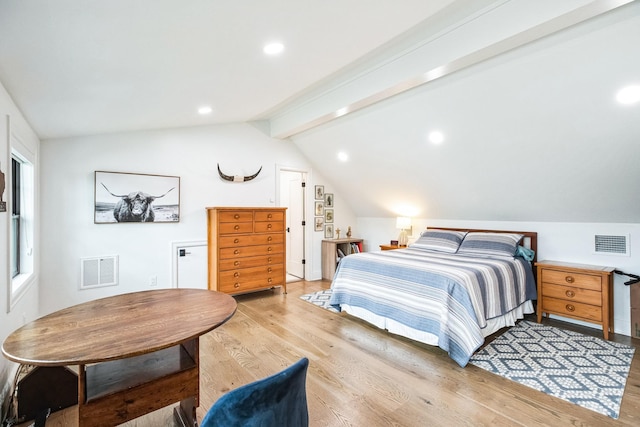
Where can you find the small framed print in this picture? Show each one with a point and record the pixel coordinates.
(328, 200)
(319, 208)
(319, 192)
(328, 231)
(328, 216)
(319, 223)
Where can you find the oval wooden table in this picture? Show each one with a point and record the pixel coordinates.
(136, 352)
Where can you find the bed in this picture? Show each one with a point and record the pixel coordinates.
(451, 288)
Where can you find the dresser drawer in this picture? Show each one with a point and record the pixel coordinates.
(250, 278)
(255, 261)
(572, 309)
(247, 251)
(576, 280)
(235, 227)
(269, 216)
(269, 227)
(235, 216)
(249, 240)
(569, 293)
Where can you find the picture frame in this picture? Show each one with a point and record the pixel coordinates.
(131, 197)
(328, 200)
(319, 190)
(319, 209)
(328, 231)
(319, 223)
(328, 216)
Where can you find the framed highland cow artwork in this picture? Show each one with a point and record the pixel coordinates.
(129, 197)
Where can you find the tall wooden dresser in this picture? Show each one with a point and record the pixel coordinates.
(246, 249)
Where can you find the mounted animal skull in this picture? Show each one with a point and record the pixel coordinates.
(135, 206)
(237, 178)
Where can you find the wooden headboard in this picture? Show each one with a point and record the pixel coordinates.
(530, 237)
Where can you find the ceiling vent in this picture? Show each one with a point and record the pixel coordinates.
(98, 272)
(611, 245)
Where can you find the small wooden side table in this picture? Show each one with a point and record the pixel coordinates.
(391, 247)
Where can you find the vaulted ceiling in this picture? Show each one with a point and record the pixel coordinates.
(523, 92)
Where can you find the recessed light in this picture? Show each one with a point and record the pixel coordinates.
(342, 156)
(629, 95)
(436, 137)
(205, 109)
(273, 48)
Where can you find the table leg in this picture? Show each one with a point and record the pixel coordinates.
(185, 413)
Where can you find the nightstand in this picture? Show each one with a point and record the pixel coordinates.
(578, 291)
(391, 247)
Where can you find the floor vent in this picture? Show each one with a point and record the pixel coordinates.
(611, 245)
(98, 272)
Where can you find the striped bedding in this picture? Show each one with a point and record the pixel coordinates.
(450, 296)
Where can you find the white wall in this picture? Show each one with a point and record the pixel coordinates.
(569, 242)
(26, 308)
(144, 250)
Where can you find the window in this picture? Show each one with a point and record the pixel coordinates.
(22, 224)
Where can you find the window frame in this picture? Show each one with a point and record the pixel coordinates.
(19, 284)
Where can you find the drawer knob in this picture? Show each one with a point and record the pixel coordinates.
(236, 274)
(269, 259)
(269, 239)
(269, 216)
(236, 285)
(569, 279)
(237, 263)
(236, 216)
(269, 280)
(236, 252)
(269, 249)
(269, 225)
(236, 240)
(570, 294)
(571, 307)
(269, 269)
(236, 227)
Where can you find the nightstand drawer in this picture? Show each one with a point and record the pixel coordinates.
(572, 309)
(572, 294)
(576, 280)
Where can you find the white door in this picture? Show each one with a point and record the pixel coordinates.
(292, 197)
(192, 266)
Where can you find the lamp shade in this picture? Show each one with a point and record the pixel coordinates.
(403, 222)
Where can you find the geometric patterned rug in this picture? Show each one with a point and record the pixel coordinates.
(321, 299)
(584, 370)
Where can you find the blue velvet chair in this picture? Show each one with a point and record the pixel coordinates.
(276, 401)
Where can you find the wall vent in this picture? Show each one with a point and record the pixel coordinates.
(98, 272)
(611, 245)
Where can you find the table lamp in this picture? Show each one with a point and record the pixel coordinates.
(403, 223)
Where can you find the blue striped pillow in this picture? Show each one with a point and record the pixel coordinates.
(439, 240)
(490, 244)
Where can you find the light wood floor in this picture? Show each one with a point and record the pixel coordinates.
(361, 376)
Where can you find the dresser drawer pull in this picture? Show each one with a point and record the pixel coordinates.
(236, 274)
(269, 260)
(269, 216)
(236, 285)
(571, 307)
(269, 249)
(269, 270)
(236, 240)
(269, 239)
(569, 279)
(236, 227)
(570, 294)
(236, 216)
(237, 263)
(269, 226)
(269, 280)
(236, 252)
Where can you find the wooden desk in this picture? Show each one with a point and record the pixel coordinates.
(136, 352)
